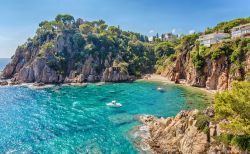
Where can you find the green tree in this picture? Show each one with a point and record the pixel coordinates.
(164, 49)
(233, 107)
(79, 41)
(227, 26)
(65, 18)
(85, 28)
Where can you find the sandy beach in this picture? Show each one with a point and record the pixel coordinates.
(159, 78)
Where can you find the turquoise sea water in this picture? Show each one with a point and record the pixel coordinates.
(77, 120)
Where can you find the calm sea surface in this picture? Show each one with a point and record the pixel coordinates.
(3, 62)
(77, 120)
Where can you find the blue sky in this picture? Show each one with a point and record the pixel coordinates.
(19, 18)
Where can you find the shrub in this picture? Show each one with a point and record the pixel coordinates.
(78, 41)
(85, 28)
(221, 49)
(225, 138)
(197, 60)
(217, 54)
(241, 47)
(243, 141)
(226, 26)
(47, 47)
(234, 106)
(247, 77)
(124, 67)
(164, 49)
(202, 122)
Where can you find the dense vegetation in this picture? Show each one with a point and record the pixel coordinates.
(128, 50)
(232, 107)
(172, 49)
(227, 26)
(235, 50)
(135, 53)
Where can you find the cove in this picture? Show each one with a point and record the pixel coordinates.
(77, 120)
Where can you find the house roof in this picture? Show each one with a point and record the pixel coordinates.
(210, 36)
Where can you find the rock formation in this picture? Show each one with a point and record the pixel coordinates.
(179, 135)
(66, 50)
(27, 66)
(214, 75)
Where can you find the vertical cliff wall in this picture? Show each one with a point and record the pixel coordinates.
(215, 73)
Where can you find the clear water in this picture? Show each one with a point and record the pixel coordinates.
(77, 119)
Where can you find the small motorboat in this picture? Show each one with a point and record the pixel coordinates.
(114, 104)
(100, 83)
(160, 89)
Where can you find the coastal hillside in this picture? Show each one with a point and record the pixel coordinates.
(74, 51)
(214, 66)
(66, 50)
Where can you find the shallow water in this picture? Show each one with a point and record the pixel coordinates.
(77, 119)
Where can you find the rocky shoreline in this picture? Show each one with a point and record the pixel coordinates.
(179, 135)
(147, 77)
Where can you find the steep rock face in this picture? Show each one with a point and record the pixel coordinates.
(178, 135)
(113, 74)
(33, 63)
(217, 76)
(18, 61)
(36, 71)
(214, 75)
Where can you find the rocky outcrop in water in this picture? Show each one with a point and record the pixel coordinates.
(69, 51)
(179, 135)
(39, 71)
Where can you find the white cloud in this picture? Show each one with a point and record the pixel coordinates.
(192, 31)
(151, 31)
(173, 30)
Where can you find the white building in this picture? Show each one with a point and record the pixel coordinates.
(150, 38)
(209, 39)
(168, 37)
(241, 31)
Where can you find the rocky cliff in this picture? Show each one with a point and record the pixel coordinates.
(69, 51)
(216, 72)
(179, 135)
(27, 66)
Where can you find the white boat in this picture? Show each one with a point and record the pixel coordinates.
(160, 89)
(100, 83)
(114, 104)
